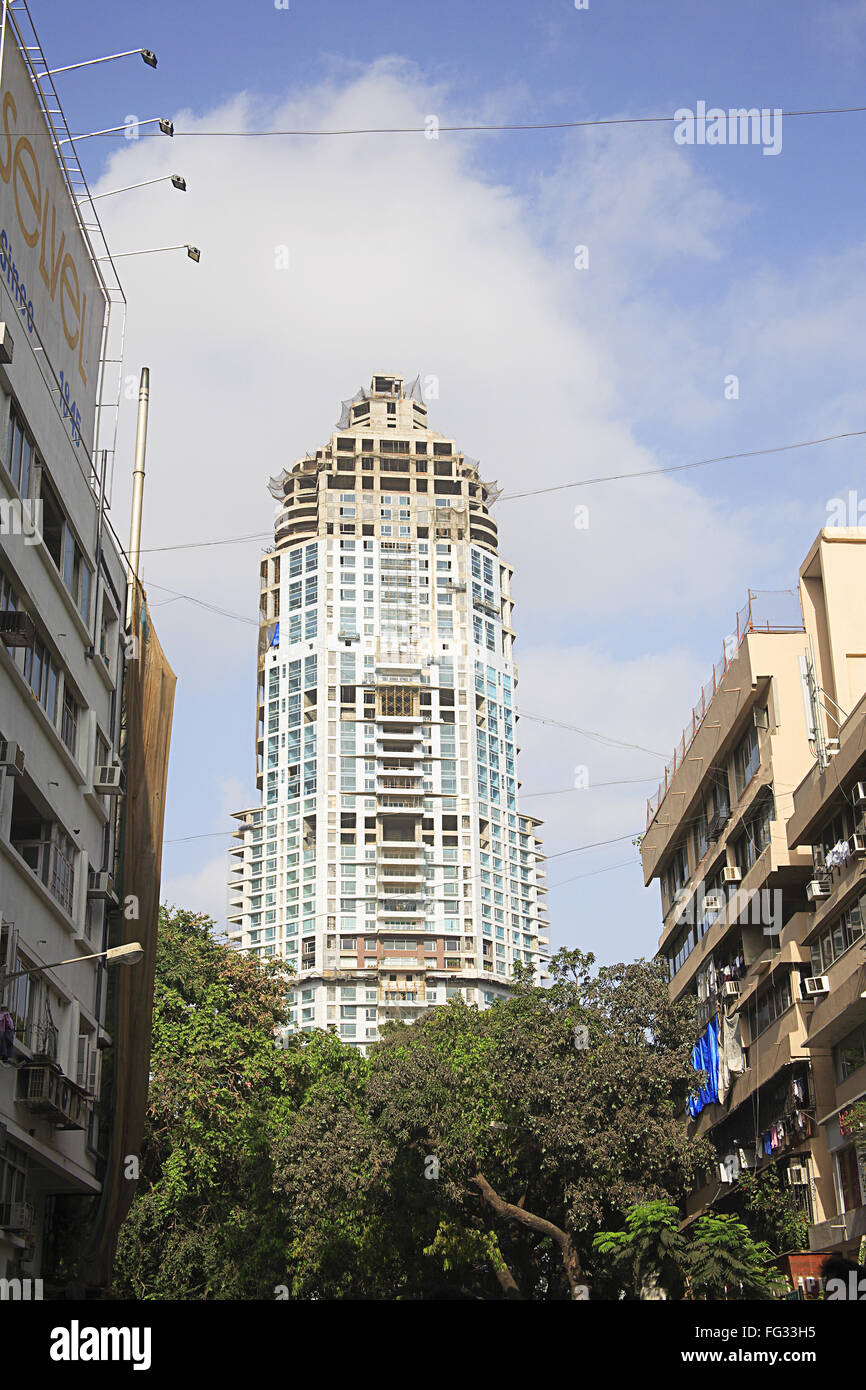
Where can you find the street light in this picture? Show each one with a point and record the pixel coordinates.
(192, 251)
(177, 181)
(130, 954)
(147, 54)
(165, 125)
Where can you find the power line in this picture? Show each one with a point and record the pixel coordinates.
(200, 545)
(214, 834)
(681, 467)
(623, 782)
(617, 839)
(592, 873)
(591, 734)
(558, 487)
(424, 130)
(200, 603)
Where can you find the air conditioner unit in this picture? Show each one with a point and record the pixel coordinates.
(761, 718)
(797, 1175)
(732, 988)
(11, 758)
(17, 629)
(101, 888)
(731, 874)
(713, 902)
(17, 1216)
(858, 794)
(815, 985)
(108, 780)
(858, 846)
(817, 889)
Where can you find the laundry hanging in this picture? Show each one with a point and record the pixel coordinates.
(705, 1058)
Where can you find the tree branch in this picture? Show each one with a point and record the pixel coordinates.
(509, 1212)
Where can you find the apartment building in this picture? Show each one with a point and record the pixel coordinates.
(63, 594)
(388, 862)
(829, 818)
(737, 887)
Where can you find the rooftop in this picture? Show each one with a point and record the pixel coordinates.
(768, 610)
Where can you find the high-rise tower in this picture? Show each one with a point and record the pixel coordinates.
(388, 860)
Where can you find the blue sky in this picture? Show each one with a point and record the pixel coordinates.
(456, 258)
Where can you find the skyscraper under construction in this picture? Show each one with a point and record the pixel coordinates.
(388, 861)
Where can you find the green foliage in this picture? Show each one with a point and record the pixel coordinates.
(725, 1262)
(469, 1155)
(203, 1223)
(650, 1251)
(770, 1211)
(716, 1258)
(566, 1139)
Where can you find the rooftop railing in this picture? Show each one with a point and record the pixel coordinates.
(769, 610)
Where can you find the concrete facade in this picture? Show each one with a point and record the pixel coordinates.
(388, 862)
(731, 839)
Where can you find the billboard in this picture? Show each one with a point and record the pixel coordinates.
(53, 290)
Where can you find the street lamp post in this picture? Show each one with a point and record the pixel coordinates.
(130, 954)
(165, 125)
(192, 251)
(147, 54)
(177, 181)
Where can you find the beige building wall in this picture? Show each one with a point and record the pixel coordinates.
(719, 835)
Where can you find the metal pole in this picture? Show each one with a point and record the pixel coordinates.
(137, 489)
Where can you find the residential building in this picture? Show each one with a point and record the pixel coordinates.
(63, 652)
(739, 924)
(829, 817)
(388, 862)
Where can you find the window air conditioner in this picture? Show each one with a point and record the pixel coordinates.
(858, 795)
(101, 888)
(714, 902)
(858, 846)
(762, 718)
(815, 985)
(732, 988)
(17, 1216)
(732, 874)
(11, 758)
(797, 1175)
(108, 781)
(816, 889)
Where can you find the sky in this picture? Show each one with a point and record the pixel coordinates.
(716, 308)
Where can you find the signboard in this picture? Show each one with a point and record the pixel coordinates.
(45, 262)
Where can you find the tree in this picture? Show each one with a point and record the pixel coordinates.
(770, 1211)
(543, 1118)
(650, 1254)
(204, 1223)
(715, 1258)
(725, 1262)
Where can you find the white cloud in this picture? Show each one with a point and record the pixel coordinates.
(402, 255)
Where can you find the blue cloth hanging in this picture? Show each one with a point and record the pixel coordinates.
(705, 1057)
